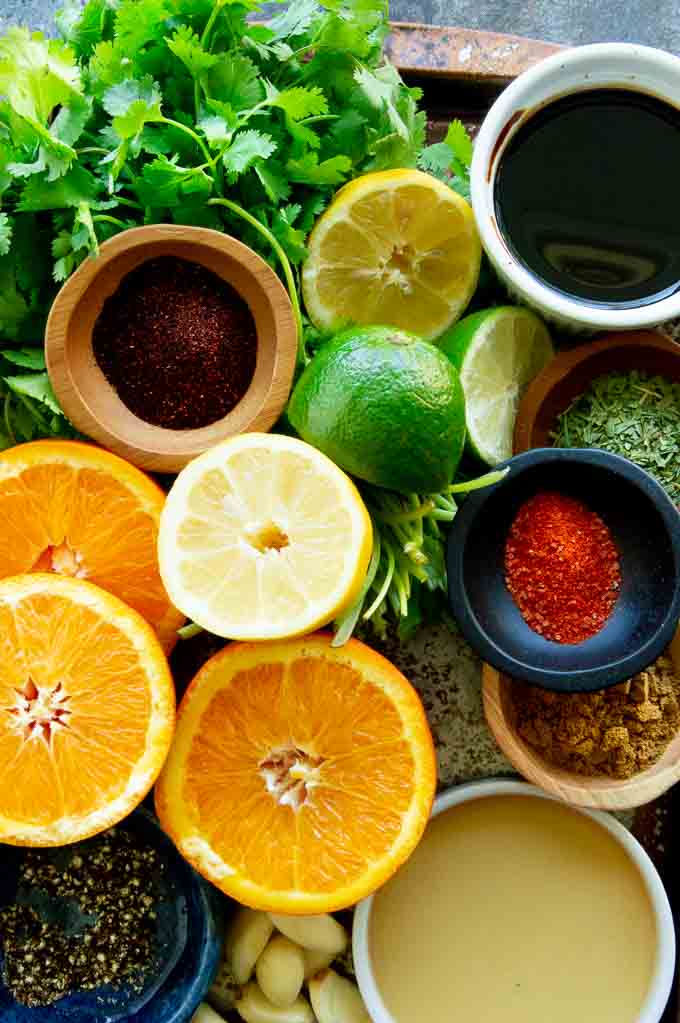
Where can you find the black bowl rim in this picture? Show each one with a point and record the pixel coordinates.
(581, 680)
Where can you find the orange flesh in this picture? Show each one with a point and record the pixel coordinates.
(85, 523)
(352, 773)
(71, 761)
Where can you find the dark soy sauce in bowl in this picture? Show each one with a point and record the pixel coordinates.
(587, 197)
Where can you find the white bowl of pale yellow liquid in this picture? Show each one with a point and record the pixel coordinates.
(517, 908)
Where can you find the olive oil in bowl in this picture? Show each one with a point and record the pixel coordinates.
(586, 196)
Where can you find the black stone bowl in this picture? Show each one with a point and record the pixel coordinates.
(188, 942)
(645, 526)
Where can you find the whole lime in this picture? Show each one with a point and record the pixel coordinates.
(385, 406)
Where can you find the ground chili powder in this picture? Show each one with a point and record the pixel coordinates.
(561, 567)
(177, 343)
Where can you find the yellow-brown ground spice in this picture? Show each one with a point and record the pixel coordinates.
(617, 731)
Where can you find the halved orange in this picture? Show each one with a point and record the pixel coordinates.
(87, 709)
(80, 511)
(301, 775)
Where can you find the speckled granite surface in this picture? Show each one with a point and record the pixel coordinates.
(447, 674)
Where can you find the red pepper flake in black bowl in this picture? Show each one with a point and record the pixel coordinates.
(177, 343)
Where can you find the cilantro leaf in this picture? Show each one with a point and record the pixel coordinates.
(83, 27)
(218, 130)
(5, 234)
(436, 160)
(247, 147)
(27, 358)
(36, 75)
(299, 102)
(308, 170)
(13, 306)
(139, 22)
(273, 179)
(295, 20)
(118, 99)
(34, 385)
(234, 79)
(458, 140)
(130, 124)
(186, 45)
(165, 184)
(76, 186)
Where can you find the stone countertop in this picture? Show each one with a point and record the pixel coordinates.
(560, 21)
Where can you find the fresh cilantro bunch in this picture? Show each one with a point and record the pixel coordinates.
(190, 111)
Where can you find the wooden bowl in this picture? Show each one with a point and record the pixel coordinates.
(600, 792)
(90, 401)
(571, 373)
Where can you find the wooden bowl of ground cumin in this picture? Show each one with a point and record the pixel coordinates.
(611, 749)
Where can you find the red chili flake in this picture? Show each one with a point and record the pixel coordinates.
(177, 343)
(561, 567)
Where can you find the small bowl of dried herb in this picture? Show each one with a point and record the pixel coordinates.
(620, 393)
(117, 927)
(566, 573)
(171, 340)
(612, 749)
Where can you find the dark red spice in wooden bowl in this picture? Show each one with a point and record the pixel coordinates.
(561, 567)
(177, 343)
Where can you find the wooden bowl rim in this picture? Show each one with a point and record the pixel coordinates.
(599, 792)
(162, 451)
(564, 363)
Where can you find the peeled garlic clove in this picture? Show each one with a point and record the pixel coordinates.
(280, 971)
(321, 933)
(315, 961)
(253, 1007)
(204, 1014)
(336, 1000)
(224, 989)
(246, 940)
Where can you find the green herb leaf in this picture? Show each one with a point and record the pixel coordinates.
(5, 234)
(300, 102)
(308, 170)
(234, 79)
(35, 385)
(118, 99)
(36, 75)
(28, 358)
(458, 140)
(247, 147)
(186, 45)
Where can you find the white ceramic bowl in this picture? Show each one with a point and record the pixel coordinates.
(602, 65)
(662, 977)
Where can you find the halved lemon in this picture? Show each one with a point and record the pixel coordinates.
(395, 247)
(301, 776)
(263, 537)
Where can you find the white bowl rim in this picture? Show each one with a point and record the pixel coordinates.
(589, 63)
(662, 977)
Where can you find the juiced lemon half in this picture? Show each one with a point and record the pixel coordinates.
(395, 247)
(263, 537)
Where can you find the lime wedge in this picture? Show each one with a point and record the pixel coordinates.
(497, 352)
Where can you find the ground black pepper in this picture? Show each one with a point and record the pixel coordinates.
(114, 881)
(177, 343)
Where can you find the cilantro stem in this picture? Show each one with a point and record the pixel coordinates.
(487, 480)
(106, 219)
(382, 592)
(122, 201)
(205, 38)
(7, 404)
(188, 131)
(283, 260)
(189, 631)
